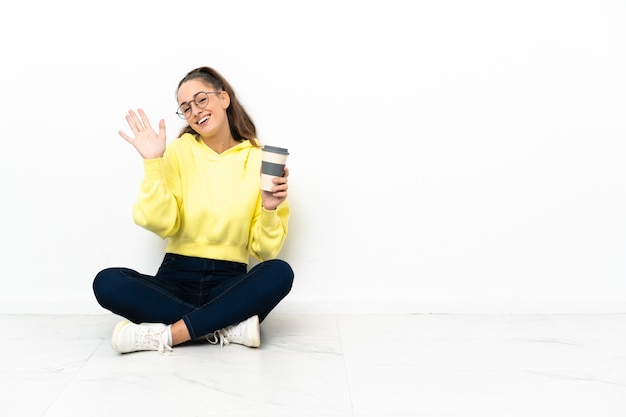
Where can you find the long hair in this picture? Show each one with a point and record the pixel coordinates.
(241, 125)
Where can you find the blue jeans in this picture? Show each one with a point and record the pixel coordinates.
(207, 294)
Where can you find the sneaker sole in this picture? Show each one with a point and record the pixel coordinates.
(116, 331)
(255, 340)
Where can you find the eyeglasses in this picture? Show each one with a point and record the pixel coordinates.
(201, 100)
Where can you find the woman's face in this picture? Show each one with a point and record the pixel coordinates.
(205, 113)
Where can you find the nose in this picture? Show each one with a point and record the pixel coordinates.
(192, 105)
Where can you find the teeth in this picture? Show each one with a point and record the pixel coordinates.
(204, 119)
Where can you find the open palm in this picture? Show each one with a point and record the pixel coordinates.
(148, 143)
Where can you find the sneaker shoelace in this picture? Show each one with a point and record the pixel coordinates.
(225, 336)
(153, 340)
(218, 336)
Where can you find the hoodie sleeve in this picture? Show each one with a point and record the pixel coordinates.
(157, 205)
(269, 230)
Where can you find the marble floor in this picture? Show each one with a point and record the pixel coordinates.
(324, 365)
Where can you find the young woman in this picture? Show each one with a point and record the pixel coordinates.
(202, 193)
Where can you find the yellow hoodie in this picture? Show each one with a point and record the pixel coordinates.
(209, 204)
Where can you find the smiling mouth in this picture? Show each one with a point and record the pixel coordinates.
(203, 120)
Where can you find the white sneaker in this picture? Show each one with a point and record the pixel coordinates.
(130, 337)
(247, 333)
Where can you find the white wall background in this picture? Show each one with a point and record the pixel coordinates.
(446, 156)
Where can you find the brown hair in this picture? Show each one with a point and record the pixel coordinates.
(241, 125)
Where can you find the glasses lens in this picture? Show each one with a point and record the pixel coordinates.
(183, 111)
(201, 100)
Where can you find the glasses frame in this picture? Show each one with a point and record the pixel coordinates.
(179, 111)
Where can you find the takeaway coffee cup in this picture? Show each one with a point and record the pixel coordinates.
(272, 165)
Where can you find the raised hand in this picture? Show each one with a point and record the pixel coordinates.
(148, 143)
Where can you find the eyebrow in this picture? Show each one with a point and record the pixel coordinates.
(193, 98)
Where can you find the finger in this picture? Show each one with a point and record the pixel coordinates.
(162, 128)
(144, 119)
(280, 186)
(125, 136)
(279, 180)
(134, 122)
(280, 194)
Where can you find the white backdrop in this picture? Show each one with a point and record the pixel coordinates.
(446, 156)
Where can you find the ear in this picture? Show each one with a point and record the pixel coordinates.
(225, 97)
